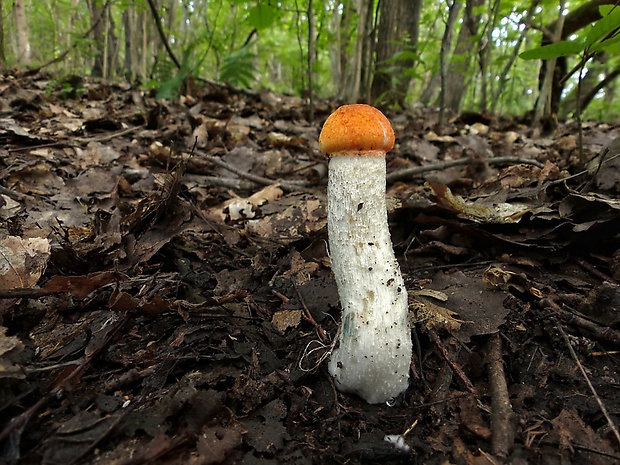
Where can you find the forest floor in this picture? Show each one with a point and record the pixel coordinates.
(166, 294)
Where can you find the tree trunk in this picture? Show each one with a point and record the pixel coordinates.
(388, 34)
(503, 76)
(587, 97)
(546, 105)
(112, 46)
(311, 55)
(411, 20)
(572, 22)
(335, 48)
(350, 86)
(23, 39)
(129, 60)
(484, 55)
(147, 44)
(398, 31)
(2, 53)
(96, 11)
(458, 69)
(368, 54)
(446, 41)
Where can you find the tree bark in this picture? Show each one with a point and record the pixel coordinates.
(129, 25)
(112, 46)
(388, 34)
(503, 76)
(398, 30)
(587, 97)
(23, 38)
(350, 87)
(446, 41)
(2, 53)
(411, 19)
(368, 54)
(485, 58)
(96, 19)
(546, 105)
(335, 48)
(311, 55)
(458, 69)
(572, 22)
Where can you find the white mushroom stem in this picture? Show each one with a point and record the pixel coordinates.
(374, 352)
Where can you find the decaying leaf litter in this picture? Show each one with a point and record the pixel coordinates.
(167, 296)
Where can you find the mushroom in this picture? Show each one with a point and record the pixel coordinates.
(374, 353)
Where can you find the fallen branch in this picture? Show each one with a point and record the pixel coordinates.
(442, 165)
(458, 371)
(502, 424)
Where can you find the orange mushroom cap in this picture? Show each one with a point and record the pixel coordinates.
(356, 129)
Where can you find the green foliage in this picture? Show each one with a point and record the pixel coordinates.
(170, 81)
(601, 36)
(238, 68)
(262, 16)
(69, 87)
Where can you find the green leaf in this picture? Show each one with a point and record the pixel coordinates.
(604, 10)
(559, 49)
(607, 45)
(238, 67)
(602, 27)
(262, 16)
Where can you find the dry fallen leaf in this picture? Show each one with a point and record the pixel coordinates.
(22, 261)
(10, 348)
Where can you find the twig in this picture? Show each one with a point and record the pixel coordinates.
(21, 292)
(610, 422)
(287, 185)
(455, 367)
(501, 410)
(439, 398)
(598, 332)
(230, 183)
(162, 34)
(442, 165)
(17, 196)
(107, 137)
(309, 317)
(590, 268)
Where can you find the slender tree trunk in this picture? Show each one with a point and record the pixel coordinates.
(503, 76)
(398, 31)
(446, 41)
(145, 34)
(411, 20)
(587, 97)
(96, 11)
(571, 23)
(129, 25)
(335, 48)
(67, 44)
(544, 104)
(2, 52)
(485, 56)
(350, 89)
(112, 46)
(367, 54)
(311, 55)
(390, 14)
(458, 69)
(23, 39)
